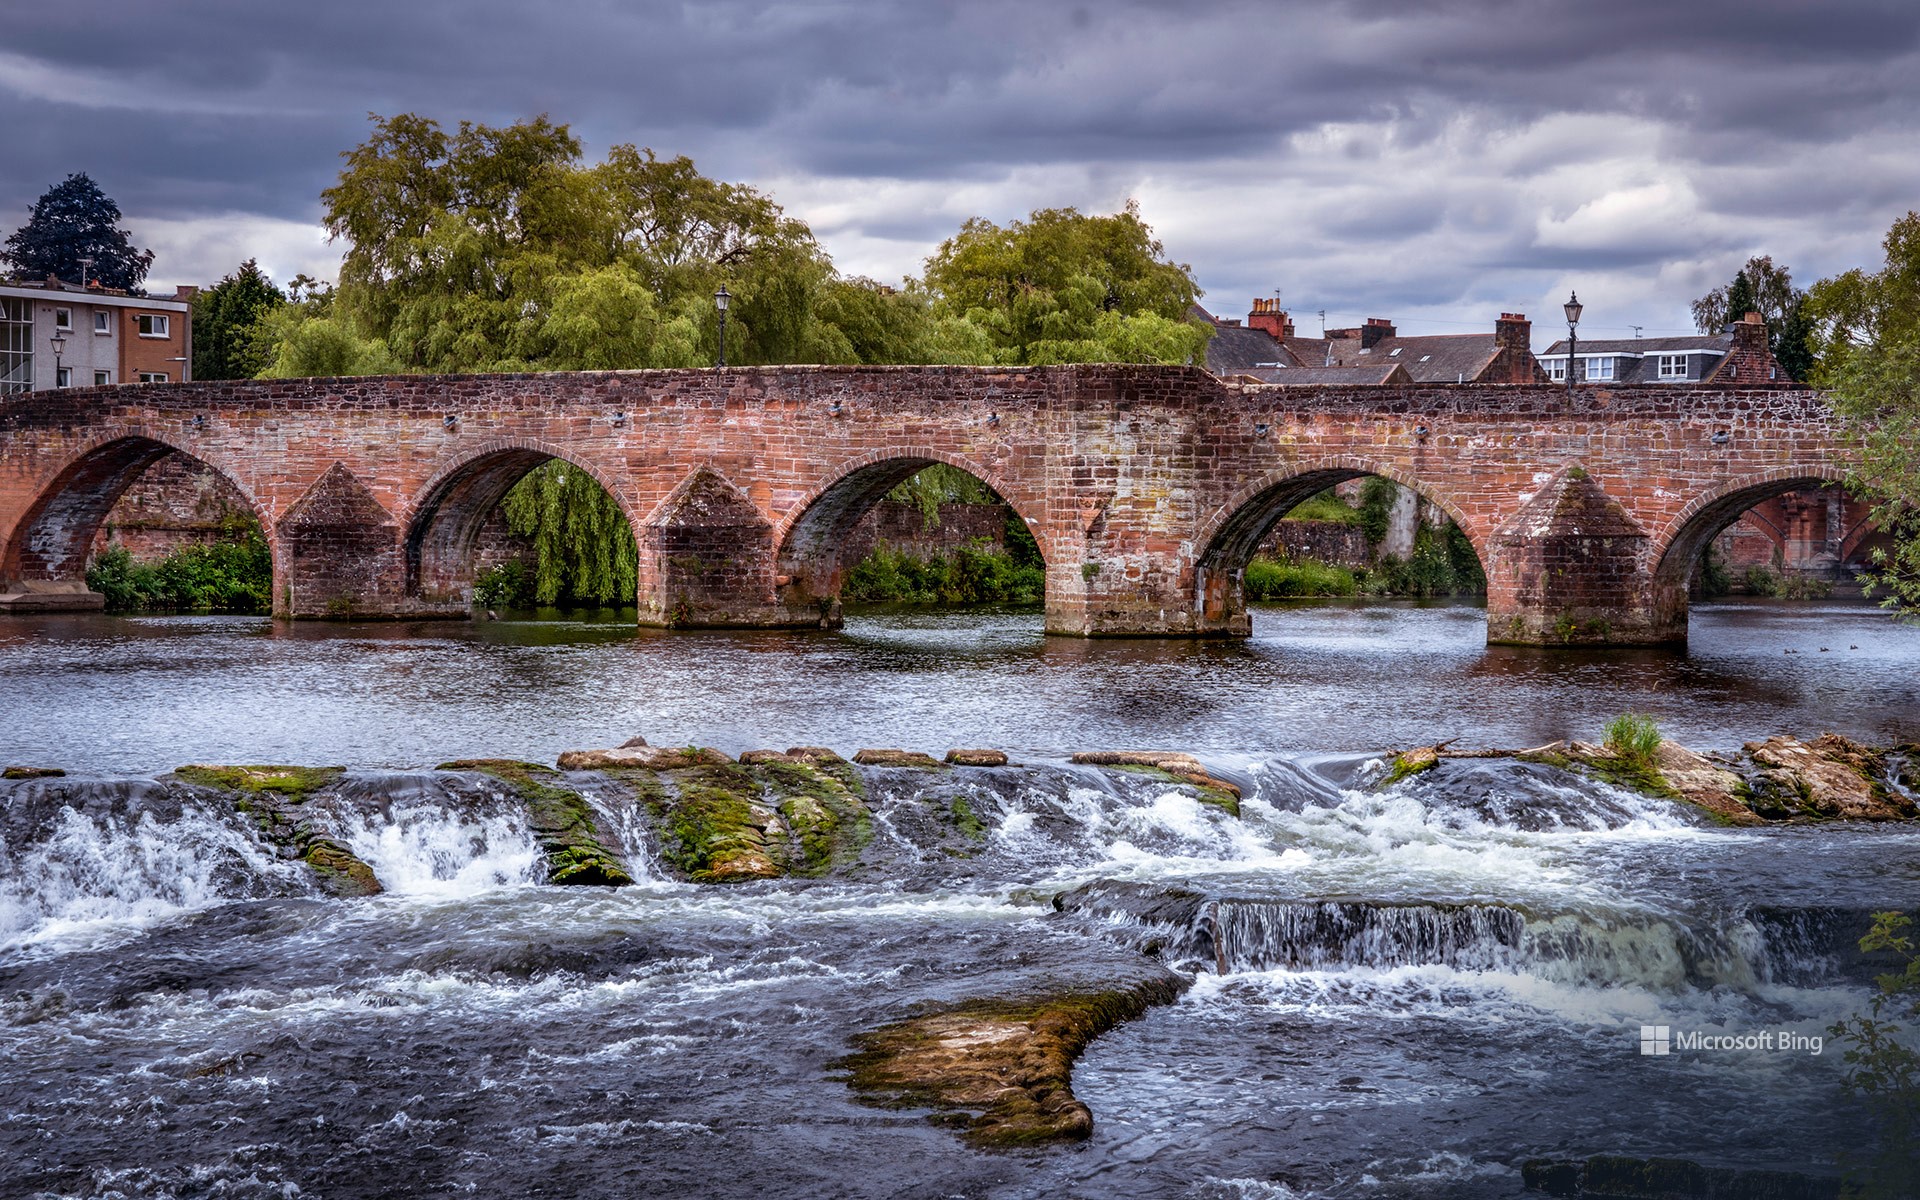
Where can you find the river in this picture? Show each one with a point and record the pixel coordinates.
(1404, 991)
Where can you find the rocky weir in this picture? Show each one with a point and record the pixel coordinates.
(997, 1068)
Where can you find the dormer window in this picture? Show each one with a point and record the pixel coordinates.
(1673, 366)
(1600, 367)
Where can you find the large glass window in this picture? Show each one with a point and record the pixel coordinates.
(16, 345)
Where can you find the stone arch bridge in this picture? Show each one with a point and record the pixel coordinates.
(1147, 489)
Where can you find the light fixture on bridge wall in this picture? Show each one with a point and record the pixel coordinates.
(1261, 429)
(618, 419)
(1421, 432)
(449, 420)
(1572, 308)
(1721, 437)
(993, 419)
(720, 301)
(199, 421)
(835, 410)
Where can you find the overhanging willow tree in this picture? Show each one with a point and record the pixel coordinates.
(583, 547)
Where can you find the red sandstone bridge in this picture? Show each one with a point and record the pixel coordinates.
(1147, 489)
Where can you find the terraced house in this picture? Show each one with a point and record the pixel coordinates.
(55, 335)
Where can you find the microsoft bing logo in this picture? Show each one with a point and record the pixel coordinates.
(1654, 1040)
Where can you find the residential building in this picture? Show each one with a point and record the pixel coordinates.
(55, 334)
(1267, 347)
(1737, 354)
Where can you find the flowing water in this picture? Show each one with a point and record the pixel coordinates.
(1397, 992)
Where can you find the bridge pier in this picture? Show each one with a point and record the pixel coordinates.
(1572, 568)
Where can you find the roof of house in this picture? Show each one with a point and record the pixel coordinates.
(1434, 358)
(40, 289)
(1704, 343)
(1379, 374)
(1236, 348)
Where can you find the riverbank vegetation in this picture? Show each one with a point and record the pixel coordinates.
(1442, 564)
(232, 573)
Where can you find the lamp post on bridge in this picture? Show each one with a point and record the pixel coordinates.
(720, 301)
(1572, 308)
(59, 342)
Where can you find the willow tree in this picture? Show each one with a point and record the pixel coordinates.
(583, 548)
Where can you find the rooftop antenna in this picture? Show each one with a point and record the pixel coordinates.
(1323, 322)
(1637, 329)
(86, 272)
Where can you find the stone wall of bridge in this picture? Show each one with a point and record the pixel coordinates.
(1147, 489)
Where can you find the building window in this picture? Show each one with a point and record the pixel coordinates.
(152, 325)
(63, 318)
(102, 323)
(1557, 370)
(1673, 366)
(1599, 368)
(63, 377)
(16, 345)
(102, 378)
(153, 377)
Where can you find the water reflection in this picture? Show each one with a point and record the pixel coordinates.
(141, 694)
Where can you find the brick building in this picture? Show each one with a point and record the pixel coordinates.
(55, 334)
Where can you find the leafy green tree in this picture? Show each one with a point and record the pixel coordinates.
(1767, 289)
(224, 317)
(304, 339)
(1883, 1061)
(1065, 287)
(75, 221)
(1868, 327)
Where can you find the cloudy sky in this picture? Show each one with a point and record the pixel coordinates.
(1433, 162)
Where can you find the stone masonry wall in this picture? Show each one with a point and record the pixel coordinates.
(1147, 488)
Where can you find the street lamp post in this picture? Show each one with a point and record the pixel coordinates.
(59, 341)
(720, 301)
(1572, 308)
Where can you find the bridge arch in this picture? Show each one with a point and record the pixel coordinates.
(1677, 545)
(53, 540)
(444, 523)
(810, 560)
(1233, 532)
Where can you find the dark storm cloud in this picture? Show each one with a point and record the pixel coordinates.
(1391, 127)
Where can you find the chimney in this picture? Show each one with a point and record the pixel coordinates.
(1376, 330)
(1268, 317)
(1513, 360)
(185, 291)
(1513, 332)
(1749, 359)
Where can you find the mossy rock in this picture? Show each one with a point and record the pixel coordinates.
(829, 821)
(1409, 763)
(1008, 1063)
(713, 827)
(899, 758)
(561, 819)
(17, 772)
(294, 783)
(965, 820)
(340, 871)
